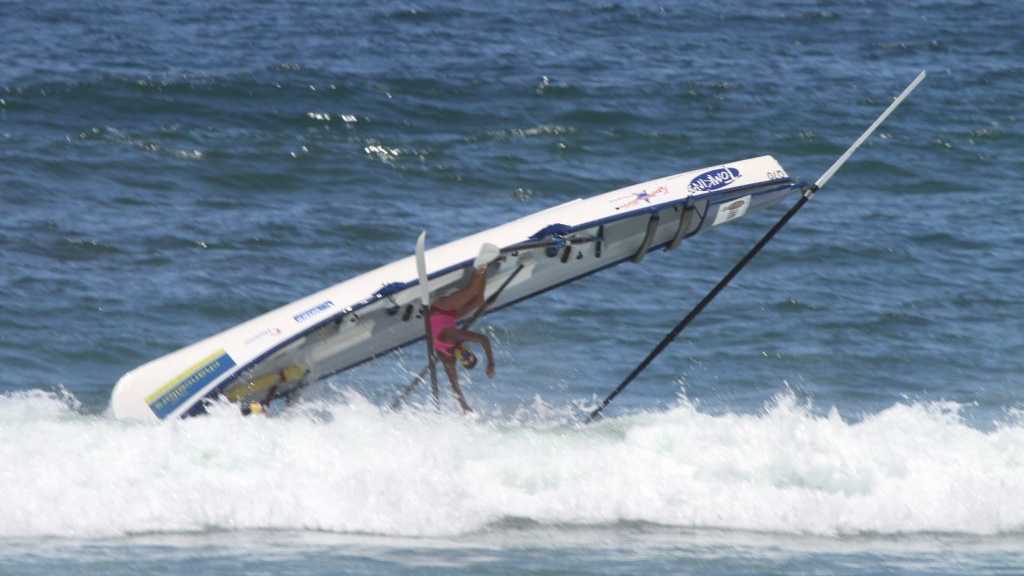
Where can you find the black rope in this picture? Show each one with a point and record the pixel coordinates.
(807, 194)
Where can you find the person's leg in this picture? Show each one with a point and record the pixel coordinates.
(467, 299)
(460, 397)
(476, 288)
(453, 379)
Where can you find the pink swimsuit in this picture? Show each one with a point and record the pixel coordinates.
(439, 321)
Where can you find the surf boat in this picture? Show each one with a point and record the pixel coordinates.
(275, 355)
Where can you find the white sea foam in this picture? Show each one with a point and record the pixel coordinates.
(351, 467)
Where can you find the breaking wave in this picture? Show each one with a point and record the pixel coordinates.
(350, 467)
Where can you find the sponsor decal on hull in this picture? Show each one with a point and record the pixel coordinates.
(314, 311)
(635, 198)
(714, 180)
(174, 393)
(268, 333)
(732, 210)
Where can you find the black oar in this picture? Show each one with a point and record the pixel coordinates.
(807, 194)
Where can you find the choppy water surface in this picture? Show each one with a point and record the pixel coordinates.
(850, 404)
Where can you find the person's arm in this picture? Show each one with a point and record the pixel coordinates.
(482, 340)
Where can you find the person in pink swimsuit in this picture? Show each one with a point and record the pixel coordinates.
(449, 339)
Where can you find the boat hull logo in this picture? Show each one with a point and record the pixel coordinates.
(176, 392)
(714, 179)
(267, 333)
(635, 198)
(314, 311)
(732, 210)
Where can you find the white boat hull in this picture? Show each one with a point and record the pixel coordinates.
(362, 318)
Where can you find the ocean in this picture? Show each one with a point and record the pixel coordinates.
(853, 403)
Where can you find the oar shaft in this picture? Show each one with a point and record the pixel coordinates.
(867, 133)
(668, 338)
(807, 194)
(421, 271)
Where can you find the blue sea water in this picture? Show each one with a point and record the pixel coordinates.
(851, 404)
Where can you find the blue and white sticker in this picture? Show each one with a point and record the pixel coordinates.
(185, 385)
(714, 179)
(314, 311)
(731, 210)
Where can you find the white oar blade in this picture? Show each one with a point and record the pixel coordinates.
(421, 268)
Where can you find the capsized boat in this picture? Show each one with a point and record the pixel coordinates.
(276, 354)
